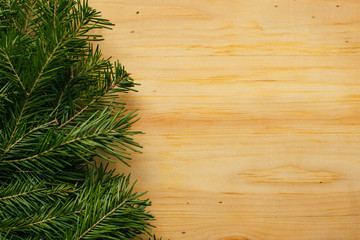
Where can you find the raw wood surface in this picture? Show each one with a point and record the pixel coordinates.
(251, 110)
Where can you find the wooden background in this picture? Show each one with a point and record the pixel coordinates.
(251, 110)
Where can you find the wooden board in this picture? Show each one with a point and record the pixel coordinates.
(251, 110)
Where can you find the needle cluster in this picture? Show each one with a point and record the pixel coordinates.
(59, 111)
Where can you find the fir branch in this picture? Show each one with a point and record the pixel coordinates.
(18, 119)
(13, 69)
(12, 17)
(52, 218)
(64, 90)
(27, 133)
(45, 65)
(55, 147)
(19, 194)
(29, 16)
(78, 113)
(30, 197)
(57, 114)
(48, 150)
(85, 139)
(28, 94)
(48, 59)
(33, 191)
(101, 219)
(55, 6)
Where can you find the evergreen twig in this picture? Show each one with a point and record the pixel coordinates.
(57, 113)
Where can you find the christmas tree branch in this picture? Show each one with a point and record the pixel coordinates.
(57, 114)
(40, 74)
(78, 113)
(101, 219)
(28, 94)
(27, 133)
(19, 194)
(13, 69)
(52, 218)
(84, 125)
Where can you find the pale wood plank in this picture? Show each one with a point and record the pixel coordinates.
(251, 113)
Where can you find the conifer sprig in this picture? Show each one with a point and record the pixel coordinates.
(59, 110)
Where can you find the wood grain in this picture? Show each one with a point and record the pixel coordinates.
(251, 111)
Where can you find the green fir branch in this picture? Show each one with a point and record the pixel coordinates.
(57, 113)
